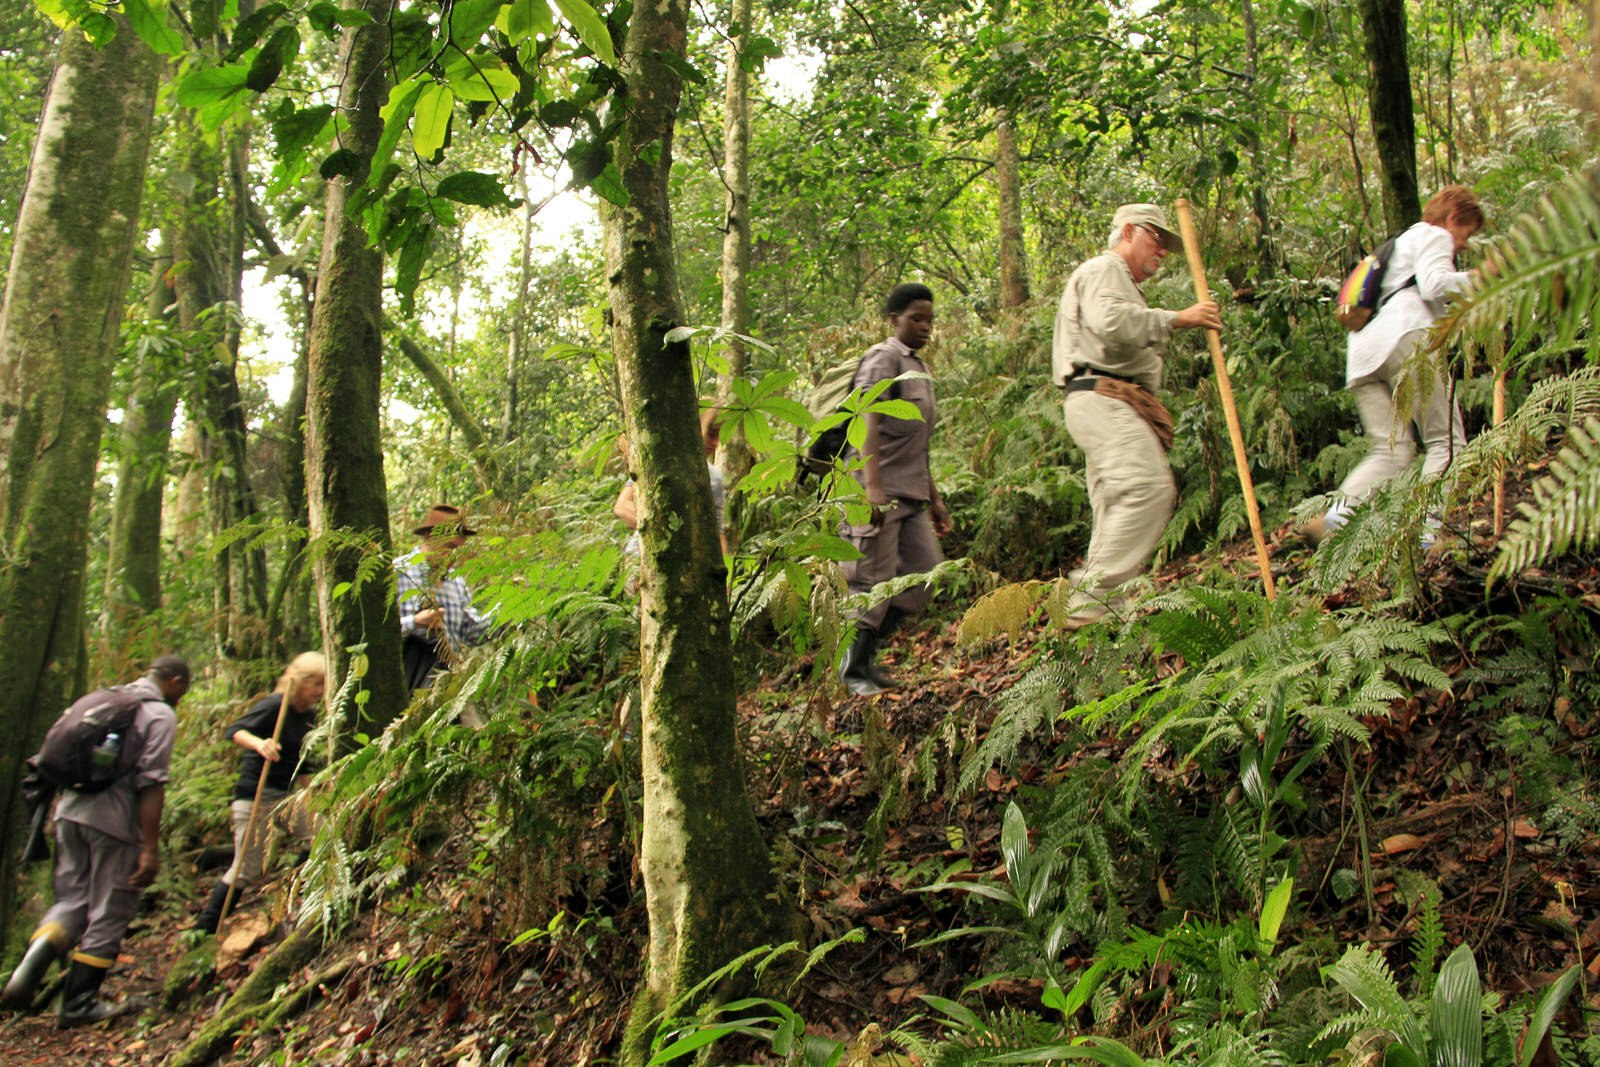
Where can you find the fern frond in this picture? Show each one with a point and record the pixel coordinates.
(1033, 701)
(1542, 280)
(1006, 610)
(1365, 975)
(1565, 510)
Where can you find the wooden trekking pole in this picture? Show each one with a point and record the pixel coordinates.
(255, 809)
(1202, 291)
(1500, 475)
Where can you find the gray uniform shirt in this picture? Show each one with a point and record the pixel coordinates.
(1103, 323)
(902, 443)
(115, 810)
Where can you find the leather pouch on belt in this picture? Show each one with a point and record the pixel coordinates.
(1144, 403)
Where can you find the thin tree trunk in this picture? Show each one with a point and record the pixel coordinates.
(1008, 182)
(517, 343)
(1394, 127)
(1266, 261)
(133, 552)
(736, 458)
(59, 321)
(346, 492)
(705, 864)
(472, 434)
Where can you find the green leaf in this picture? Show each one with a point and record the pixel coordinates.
(791, 411)
(99, 28)
(1458, 1012)
(211, 84)
(279, 51)
(341, 163)
(395, 114)
(152, 29)
(473, 187)
(482, 78)
(521, 19)
(298, 129)
(608, 184)
(468, 20)
(203, 19)
(1544, 1014)
(1273, 910)
(591, 29)
(432, 120)
(408, 266)
(250, 29)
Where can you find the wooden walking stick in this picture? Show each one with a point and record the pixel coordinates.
(1500, 474)
(1202, 291)
(255, 809)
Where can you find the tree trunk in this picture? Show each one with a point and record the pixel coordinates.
(472, 434)
(346, 493)
(705, 864)
(1266, 261)
(1394, 127)
(133, 553)
(517, 343)
(1008, 181)
(736, 458)
(208, 254)
(58, 338)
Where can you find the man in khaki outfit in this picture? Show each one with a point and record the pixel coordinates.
(1108, 356)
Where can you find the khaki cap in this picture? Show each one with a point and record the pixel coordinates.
(1149, 215)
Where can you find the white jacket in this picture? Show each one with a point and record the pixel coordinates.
(1427, 252)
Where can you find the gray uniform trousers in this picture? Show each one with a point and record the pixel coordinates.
(94, 902)
(901, 543)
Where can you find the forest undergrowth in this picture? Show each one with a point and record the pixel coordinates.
(994, 866)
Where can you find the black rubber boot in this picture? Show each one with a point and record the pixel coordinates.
(891, 622)
(856, 670)
(24, 983)
(80, 997)
(211, 915)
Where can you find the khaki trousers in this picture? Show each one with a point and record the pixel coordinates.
(1437, 421)
(1131, 492)
(902, 542)
(248, 857)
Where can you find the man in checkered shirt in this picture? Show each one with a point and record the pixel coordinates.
(437, 617)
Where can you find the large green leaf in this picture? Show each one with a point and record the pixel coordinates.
(591, 28)
(1544, 1014)
(298, 129)
(1458, 1012)
(431, 120)
(521, 19)
(211, 84)
(152, 28)
(395, 114)
(482, 78)
(473, 187)
(279, 51)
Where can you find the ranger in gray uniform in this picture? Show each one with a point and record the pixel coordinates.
(107, 852)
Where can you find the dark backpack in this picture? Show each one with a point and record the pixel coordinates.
(827, 398)
(1361, 295)
(86, 750)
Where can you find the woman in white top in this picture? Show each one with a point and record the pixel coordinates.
(1420, 279)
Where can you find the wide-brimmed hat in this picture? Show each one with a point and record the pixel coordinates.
(1149, 215)
(443, 515)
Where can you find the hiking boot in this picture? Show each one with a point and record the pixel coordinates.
(210, 916)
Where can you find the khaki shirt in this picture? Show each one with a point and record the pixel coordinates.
(1103, 323)
(902, 443)
(114, 811)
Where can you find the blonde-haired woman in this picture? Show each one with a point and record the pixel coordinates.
(301, 687)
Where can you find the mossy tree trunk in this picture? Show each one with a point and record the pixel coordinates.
(133, 551)
(58, 338)
(705, 865)
(736, 459)
(1394, 126)
(345, 488)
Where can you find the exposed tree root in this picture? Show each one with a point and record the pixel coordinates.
(252, 1000)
